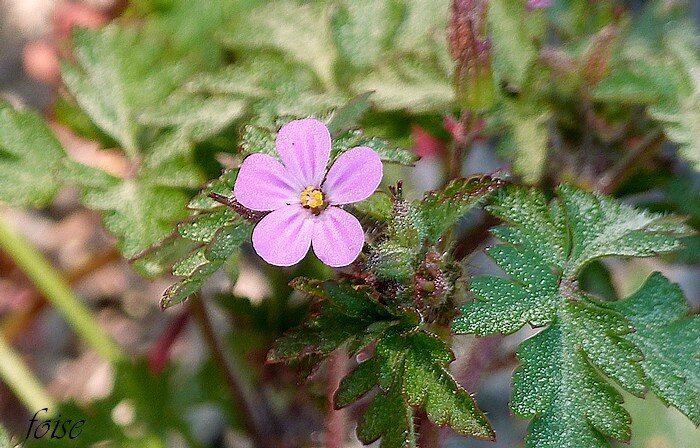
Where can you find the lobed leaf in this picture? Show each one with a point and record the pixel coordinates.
(30, 159)
(669, 338)
(560, 384)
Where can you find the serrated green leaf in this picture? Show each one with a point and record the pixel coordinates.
(188, 265)
(428, 384)
(30, 159)
(389, 417)
(349, 115)
(202, 227)
(182, 290)
(546, 248)
(356, 384)
(387, 152)
(228, 239)
(223, 185)
(378, 206)
(346, 315)
(257, 139)
(410, 368)
(669, 338)
(159, 260)
(441, 209)
(571, 405)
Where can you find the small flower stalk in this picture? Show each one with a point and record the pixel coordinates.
(304, 198)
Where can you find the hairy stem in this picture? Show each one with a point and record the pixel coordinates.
(257, 418)
(56, 290)
(20, 379)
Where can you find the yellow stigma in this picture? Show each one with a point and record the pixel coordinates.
(312, 198)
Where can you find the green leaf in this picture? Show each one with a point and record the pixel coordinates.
(513, 51)
(387, 152)
(408, 83)
(391, 418)
(410, 367)
(668, 337)
(300, 30)
(349, 115)
(139, 211)
(198, 117)
(557, 386)
(357, 383)
(547, 246)
(441, 209)
(219, 233)
(30, 159)
(346, 315)
(530, 137)
(428, 384)
(363, 30)
(378, 206)
(117, 75)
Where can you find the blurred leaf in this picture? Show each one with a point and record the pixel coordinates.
(139, 211)
(117, 75)
(363, 30)
(198, 117)
(407, 83)
(530, 137)
(513, 51)
(30, 159)
(301, 30)
(668, 337)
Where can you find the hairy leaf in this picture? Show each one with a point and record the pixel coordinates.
(30, 159)
(669, 338)
(410, 368)
(441, 209)
(547, 245)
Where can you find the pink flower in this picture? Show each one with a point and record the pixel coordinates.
(304, 198)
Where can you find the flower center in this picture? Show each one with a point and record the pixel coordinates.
(312, 198)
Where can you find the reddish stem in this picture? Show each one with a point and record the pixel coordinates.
(336, 420)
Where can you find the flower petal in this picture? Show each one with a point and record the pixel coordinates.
(354, 176)
(263, 184)
(305, 147)
(283, 237)
(337, 237)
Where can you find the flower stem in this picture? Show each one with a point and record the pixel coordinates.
(20, 379)
(57, 291)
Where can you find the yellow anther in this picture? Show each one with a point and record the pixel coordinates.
(311, 198)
